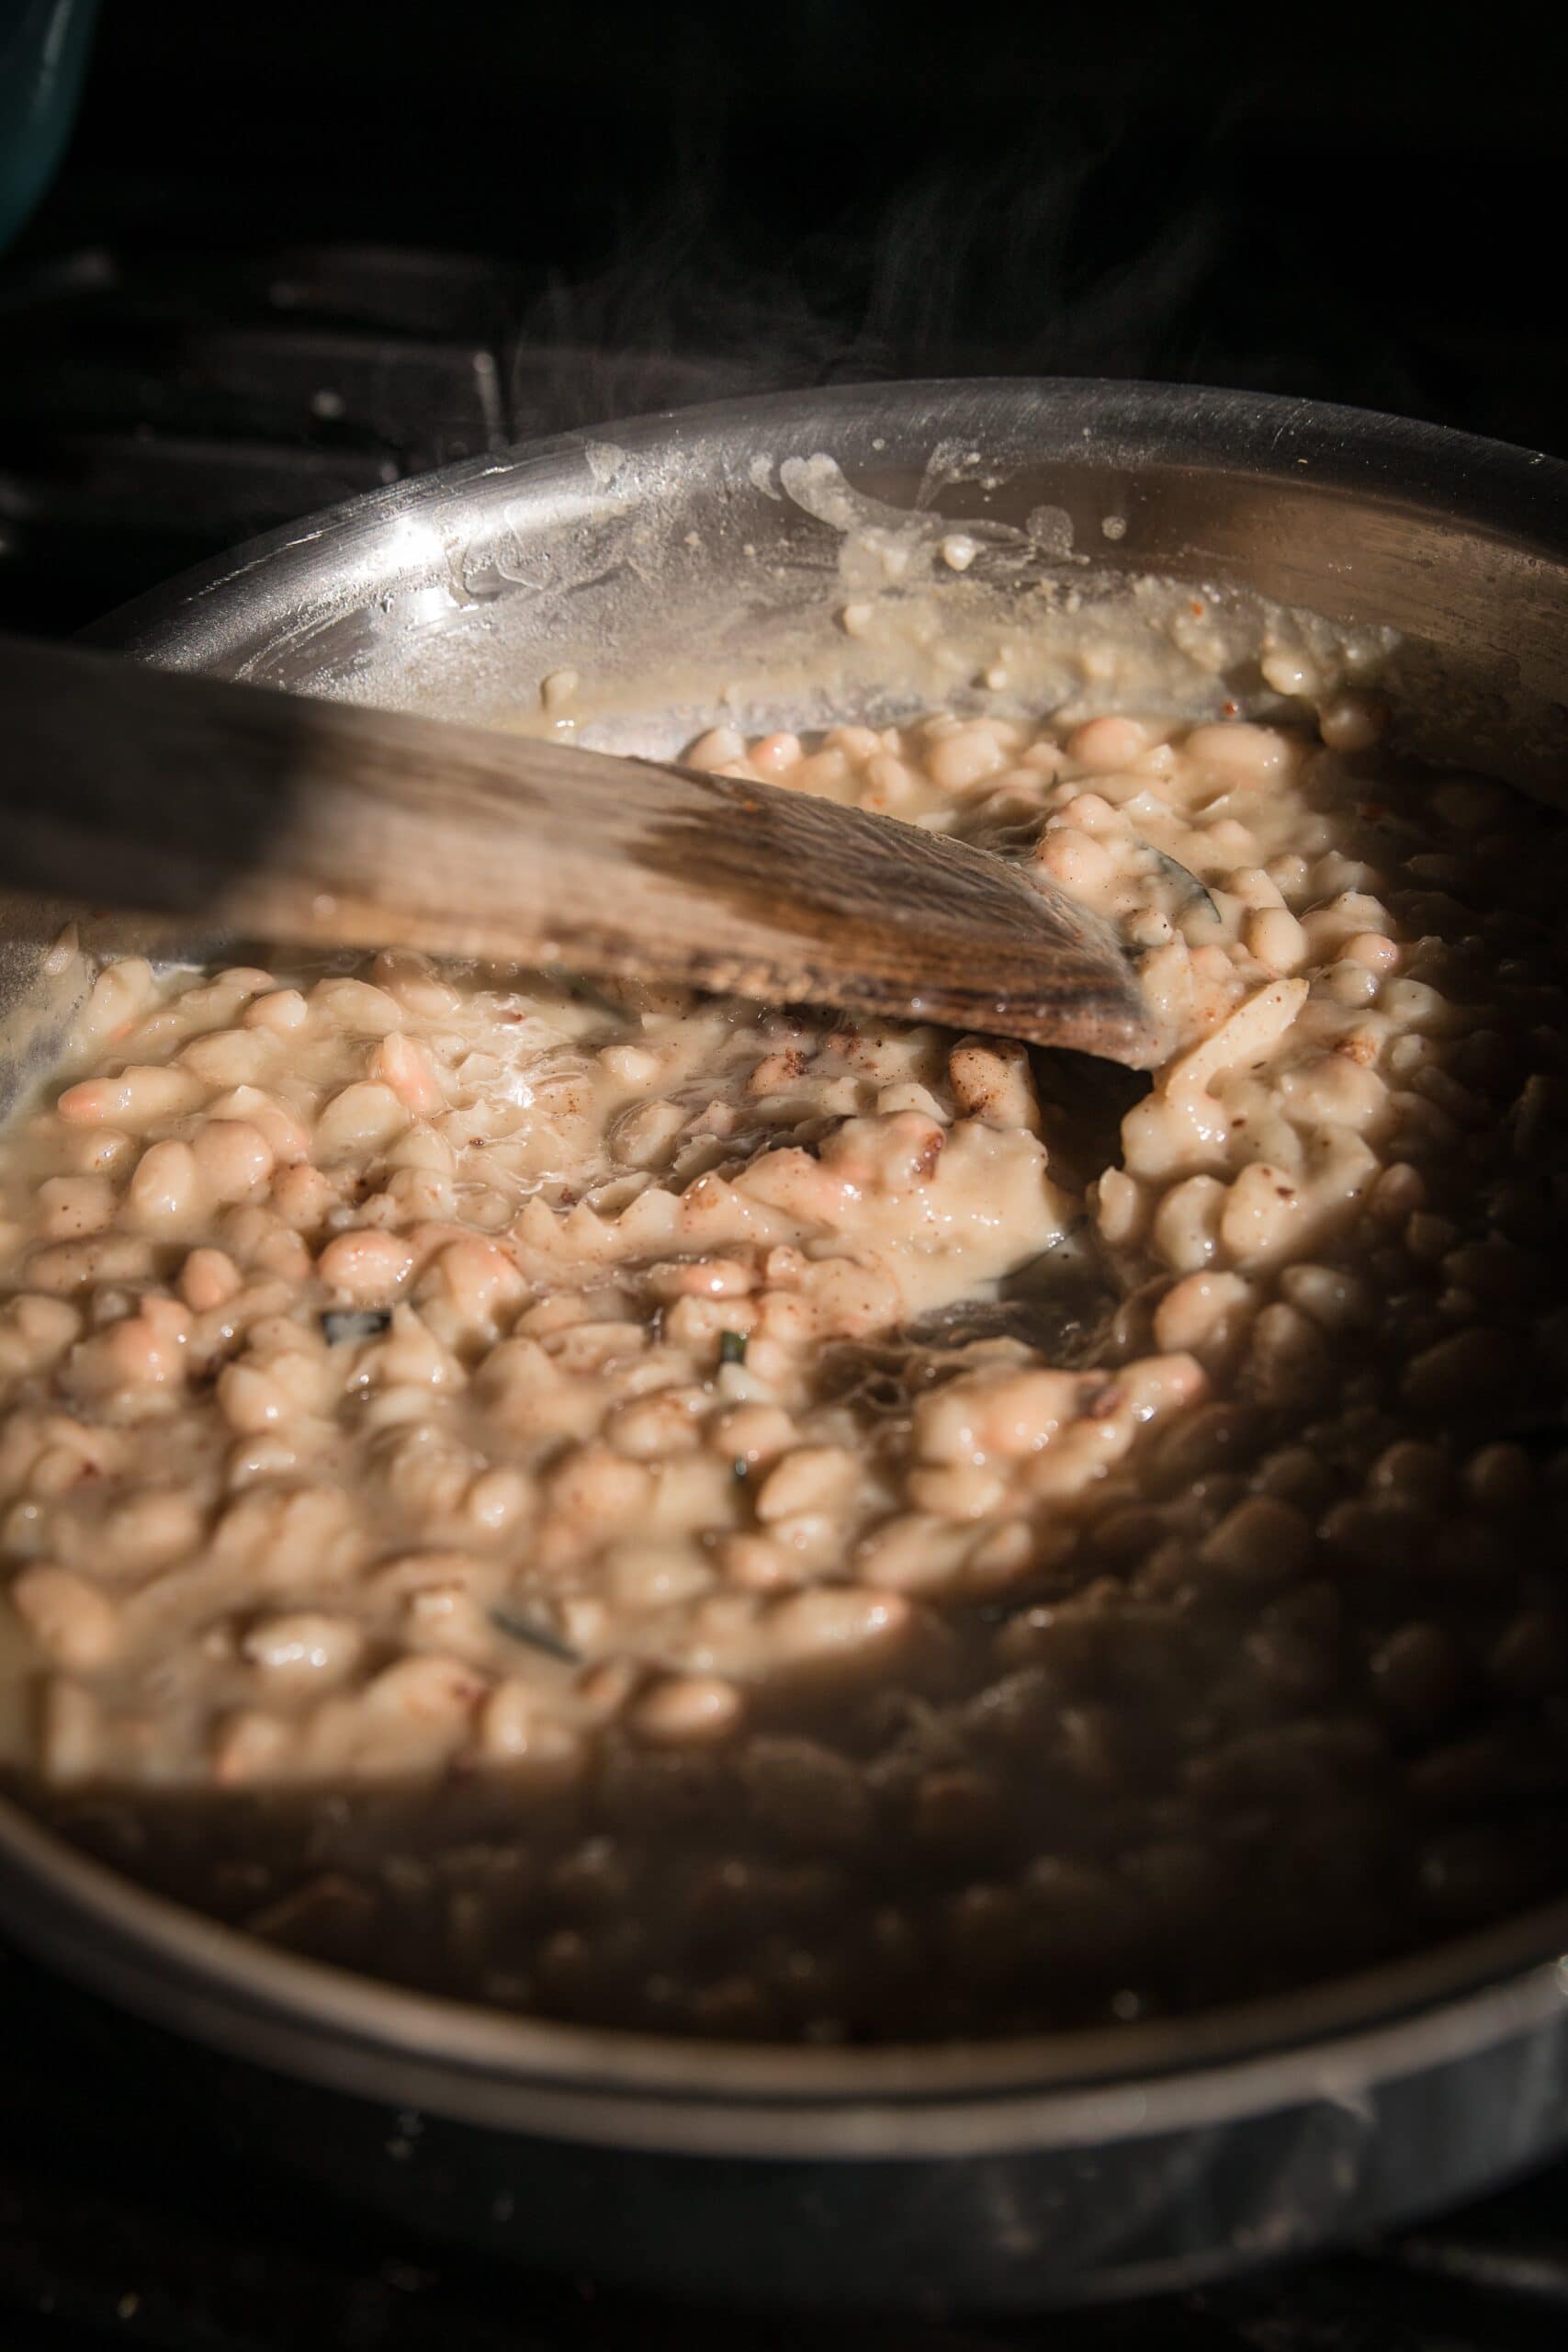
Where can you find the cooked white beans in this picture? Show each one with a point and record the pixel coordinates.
(456, 1382)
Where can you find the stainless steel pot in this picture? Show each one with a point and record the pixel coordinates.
(783, 556)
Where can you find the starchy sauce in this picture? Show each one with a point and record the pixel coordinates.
(547, 1413)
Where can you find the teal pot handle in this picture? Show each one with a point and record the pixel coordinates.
(43, 48)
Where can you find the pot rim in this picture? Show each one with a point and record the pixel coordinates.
(1330, 2042)
(1112, 424)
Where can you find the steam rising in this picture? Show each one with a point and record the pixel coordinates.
(989, 265)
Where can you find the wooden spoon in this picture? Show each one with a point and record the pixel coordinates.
(273, 816)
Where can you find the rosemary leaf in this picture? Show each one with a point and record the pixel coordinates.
(519, 1626)
(352, 1323)
(1180, 873)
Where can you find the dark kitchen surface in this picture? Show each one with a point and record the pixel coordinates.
(300, 251)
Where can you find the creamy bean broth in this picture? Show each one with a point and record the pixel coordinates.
(739, 1521)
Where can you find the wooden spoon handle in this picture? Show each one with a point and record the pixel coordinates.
(321, 823)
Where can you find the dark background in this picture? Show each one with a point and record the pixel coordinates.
(605, 208)
(299, 248)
